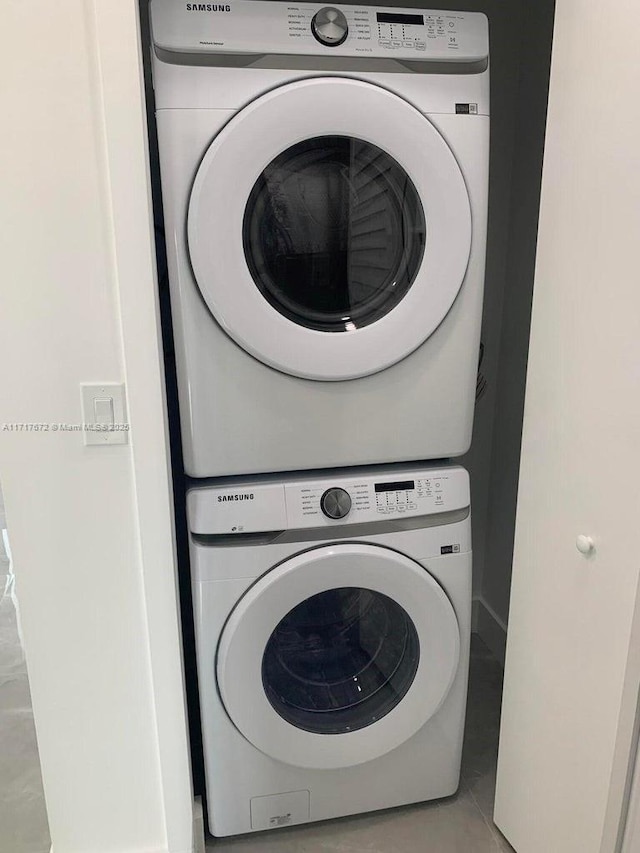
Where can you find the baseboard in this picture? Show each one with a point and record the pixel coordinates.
(194, 849)
(489, 627)
(153, 850)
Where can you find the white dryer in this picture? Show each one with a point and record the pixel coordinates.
(324, 176)
(332, 621)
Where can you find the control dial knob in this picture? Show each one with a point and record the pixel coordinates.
(335, 503)
(330, 26)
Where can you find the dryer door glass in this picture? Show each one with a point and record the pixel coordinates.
(326, 242)
(340, 661)
(334, 233)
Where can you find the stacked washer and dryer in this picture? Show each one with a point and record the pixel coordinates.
(324, 176)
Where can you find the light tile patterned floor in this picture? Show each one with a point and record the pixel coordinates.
(459, 824)
(23, 817)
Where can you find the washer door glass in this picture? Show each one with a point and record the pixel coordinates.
(340, 661)
(334, 233)
(337, 655)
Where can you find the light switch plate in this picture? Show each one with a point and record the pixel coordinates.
(96, 413)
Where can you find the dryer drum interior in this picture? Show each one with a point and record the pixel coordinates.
(340, 660)
(334, 233)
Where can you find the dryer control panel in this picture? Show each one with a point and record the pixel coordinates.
(328, 501)
(259, 27)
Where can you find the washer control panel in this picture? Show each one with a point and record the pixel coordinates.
(370, 499)
(272, 27)
(250, 507)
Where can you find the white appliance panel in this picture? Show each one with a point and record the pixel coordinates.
(276, 772)
(266, 27)
(263, 507)
(283, 421)
(430, 393)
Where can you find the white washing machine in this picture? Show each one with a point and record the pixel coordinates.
(332, 622)
(324, 177)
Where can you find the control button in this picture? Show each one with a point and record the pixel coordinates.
(329, 26)
(420, 45)
(413, 506)
(385, 42)
(396, 44)
(335, 503)
(408, 43)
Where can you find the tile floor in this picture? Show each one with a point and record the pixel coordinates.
(23, 817)
(459, 824)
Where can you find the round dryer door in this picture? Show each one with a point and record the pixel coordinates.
(338, 655)
(329, 228)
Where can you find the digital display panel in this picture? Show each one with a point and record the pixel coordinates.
(399, 486)
(392, 18)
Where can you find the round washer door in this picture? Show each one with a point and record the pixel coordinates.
(329, 228)
(338, 655)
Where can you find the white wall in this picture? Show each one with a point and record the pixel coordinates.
(91, 528)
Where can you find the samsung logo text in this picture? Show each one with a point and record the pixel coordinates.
(245, 496)
(207, 7)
